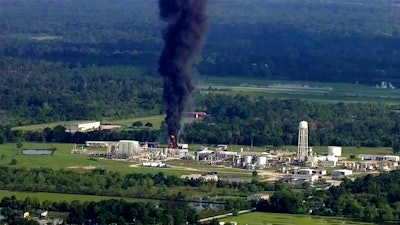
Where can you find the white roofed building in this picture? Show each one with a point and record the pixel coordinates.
(83, 126)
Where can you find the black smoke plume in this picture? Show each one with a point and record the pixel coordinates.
(184, 37)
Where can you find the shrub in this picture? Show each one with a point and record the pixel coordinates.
(13, 162)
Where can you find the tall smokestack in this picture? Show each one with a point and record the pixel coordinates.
(184, 37)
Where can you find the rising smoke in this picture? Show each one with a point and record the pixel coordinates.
(184, 37)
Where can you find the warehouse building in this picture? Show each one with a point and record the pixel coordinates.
(83, 126)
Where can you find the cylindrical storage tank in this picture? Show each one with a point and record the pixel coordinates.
(248, 159)
(334, 151)
(303, 125)
(261, 160)
(126, 147)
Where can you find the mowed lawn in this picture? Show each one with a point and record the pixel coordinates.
(261, 218)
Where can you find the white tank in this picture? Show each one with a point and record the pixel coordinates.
(303, 125)
(128, 147)
(261, 160)
(248, 159)
(334, 151)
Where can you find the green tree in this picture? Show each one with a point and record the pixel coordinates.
(137, 124)
(287, 200)
(396, 147)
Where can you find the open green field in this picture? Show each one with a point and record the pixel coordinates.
(127, 122)
(57, 197)
(329, 92)
(155, 120)
(260, 218)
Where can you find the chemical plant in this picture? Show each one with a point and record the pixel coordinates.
(285, 166)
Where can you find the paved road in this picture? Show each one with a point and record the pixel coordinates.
(225, 215)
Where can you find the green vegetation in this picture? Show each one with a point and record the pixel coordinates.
(242, 120)
(67, 62)
(59, 197)
(260, 121)
(369, 198)
(101, 212)
(108, 183)
(127, 122)
(306, 90)
(262, 218)
(155, 120)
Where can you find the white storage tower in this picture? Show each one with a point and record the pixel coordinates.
(335, 151)
(302, 147)
(128, 147)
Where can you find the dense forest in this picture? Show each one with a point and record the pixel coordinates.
(36, 91)
(64, 60)
(349, 40)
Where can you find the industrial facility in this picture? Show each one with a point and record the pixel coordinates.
(130, 150)
(294, 167)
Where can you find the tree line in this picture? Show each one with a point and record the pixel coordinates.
(102, 212)
(106, 183)
(257, 121)
(367, 198)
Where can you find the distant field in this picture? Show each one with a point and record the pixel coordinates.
(274, 89)
(155, 120)
(45, 37)
(347, 151)
(57, 197)
(42, 126)
(260, 218)
(330, 92)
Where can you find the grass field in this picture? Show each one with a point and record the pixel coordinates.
(127, 122)
(322, 92)
(57, 197)
(260, 218)
(155, 120)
